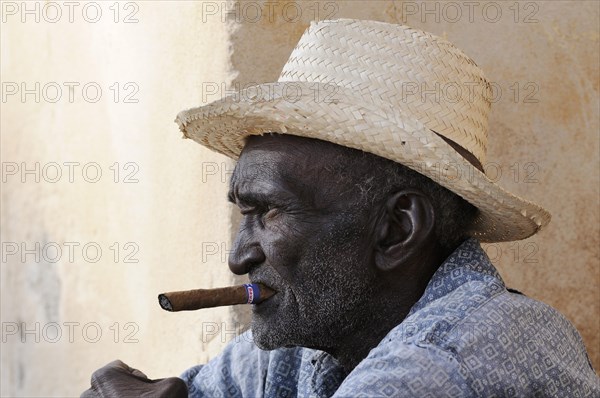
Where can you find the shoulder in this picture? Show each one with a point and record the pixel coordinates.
(479, 340)
(404, 369)
(514, 345)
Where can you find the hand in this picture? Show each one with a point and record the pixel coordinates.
(119, 380)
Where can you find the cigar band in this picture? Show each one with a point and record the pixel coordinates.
(252, 293)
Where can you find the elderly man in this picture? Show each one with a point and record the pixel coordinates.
(363, 208)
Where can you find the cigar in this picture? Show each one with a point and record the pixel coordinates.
(191, 300)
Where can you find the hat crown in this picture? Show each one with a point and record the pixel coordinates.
(422, 75)
(370, 66)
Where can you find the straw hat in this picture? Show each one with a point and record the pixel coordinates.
(387, 89)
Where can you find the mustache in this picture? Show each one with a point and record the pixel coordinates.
(267, 276)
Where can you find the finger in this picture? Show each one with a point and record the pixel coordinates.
(138, 373)
(118, 364)
(172, 387)
(90, 394)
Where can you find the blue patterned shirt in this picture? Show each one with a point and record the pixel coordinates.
(466, 337)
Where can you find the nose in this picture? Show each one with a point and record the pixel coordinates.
(245, 255)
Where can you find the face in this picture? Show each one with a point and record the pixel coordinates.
(300, 236)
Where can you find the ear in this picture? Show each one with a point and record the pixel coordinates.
(405, 228)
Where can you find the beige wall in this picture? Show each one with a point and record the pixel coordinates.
(176, 214)
(168, 215)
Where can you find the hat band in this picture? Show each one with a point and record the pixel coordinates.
(469, 157)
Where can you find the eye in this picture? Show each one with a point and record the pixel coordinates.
(270, 212)
(264, 212)
(248, 210)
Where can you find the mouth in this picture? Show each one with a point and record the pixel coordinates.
(268, 290)
(269, 299)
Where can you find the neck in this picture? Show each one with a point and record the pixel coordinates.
(397, 292)
(356, 345)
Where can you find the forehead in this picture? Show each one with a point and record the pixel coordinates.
(275, 163)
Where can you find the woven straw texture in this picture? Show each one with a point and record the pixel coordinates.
(385, 89)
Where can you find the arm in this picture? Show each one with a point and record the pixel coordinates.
(240, 370)
(119, 380)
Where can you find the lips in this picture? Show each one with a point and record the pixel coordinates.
(266, 305)
(264, 280)
(267, 286)
(267, 278)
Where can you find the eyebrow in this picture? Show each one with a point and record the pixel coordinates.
(230, 197)
(249, 198)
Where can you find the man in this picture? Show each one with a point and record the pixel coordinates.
(363, 208)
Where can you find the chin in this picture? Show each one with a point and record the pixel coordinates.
(273, 326)
(270, 334)
(271, 337)
(264, 337)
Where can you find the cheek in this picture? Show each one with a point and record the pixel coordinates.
(277, 243)
(285, 242)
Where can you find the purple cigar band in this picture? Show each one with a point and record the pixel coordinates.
(252, 293)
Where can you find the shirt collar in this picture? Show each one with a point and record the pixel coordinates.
(467, 263)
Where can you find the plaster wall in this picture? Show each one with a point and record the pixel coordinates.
(159, 209)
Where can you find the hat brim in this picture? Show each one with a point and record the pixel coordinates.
(357, 120)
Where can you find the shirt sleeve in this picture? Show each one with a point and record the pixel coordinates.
(239, 371)
(410, 371)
